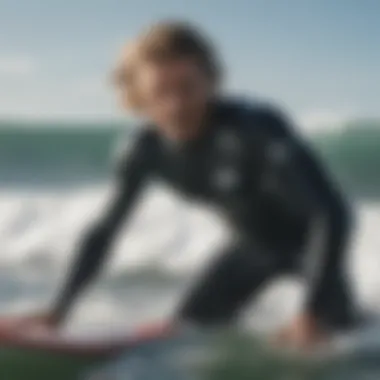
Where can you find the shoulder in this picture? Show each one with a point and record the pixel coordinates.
(257, 122)
(136, 144)
(255, 115)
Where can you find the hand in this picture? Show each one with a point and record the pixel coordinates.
(46, 321)
(156, 330)
(303, 333)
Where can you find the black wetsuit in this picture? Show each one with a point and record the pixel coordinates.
(276, 196)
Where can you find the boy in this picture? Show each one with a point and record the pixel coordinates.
(248, 162)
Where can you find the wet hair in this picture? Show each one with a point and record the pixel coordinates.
(163, 42)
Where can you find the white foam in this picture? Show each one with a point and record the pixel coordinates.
(44, 227)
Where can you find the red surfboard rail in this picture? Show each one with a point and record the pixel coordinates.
(14, 335)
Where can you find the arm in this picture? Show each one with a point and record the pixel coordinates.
(331, 227)
(94, 248)
(329, 239)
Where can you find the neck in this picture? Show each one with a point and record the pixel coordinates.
(195, 132)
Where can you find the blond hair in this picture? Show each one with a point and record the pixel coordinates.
(160, 43)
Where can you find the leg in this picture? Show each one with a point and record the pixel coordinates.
(233, 278)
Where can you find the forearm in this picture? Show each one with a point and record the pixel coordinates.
(90, 257)
(132, 170)
(95, 246)
(329, 265)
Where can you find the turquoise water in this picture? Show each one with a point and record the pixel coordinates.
(81, 152)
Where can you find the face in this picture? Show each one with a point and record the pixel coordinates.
(175, 96)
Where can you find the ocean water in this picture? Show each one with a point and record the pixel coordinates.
(54, 180)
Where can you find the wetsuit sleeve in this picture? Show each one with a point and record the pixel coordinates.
(132, 169)
(331, 215)
(328, 242)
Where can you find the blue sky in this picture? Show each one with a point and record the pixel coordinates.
(318, 58)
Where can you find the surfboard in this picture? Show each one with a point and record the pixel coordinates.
(45, 355)
(28, 354)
